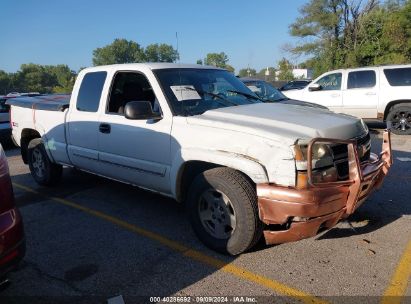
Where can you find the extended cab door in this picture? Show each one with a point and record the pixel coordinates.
(83, 121)
(360, 97)
(326, 91)
(135, 151)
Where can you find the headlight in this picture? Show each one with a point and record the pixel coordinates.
(322, 156)
(323, 169)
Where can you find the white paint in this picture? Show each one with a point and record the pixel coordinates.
(360, 102)
(256, 139)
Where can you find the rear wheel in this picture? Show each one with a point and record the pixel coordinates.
(399, 117)
(222, 205)
(42, 169)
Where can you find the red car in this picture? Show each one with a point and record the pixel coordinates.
(12, 241)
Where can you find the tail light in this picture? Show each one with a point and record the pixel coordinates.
(6, 189)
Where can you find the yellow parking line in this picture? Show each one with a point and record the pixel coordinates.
(191, 253)
(400, 280)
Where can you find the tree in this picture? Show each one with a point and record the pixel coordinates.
(396, 34)
(119, 51)
(216, 59)
(64, 76)
(229, 68)
(38, 78)
(35, 78)
(5, 82)
(160, 53)
(285, 71)
(199, 61)
(247, 72)
(128, 51)
(330, 30)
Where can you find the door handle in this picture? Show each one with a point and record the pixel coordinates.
(104, 128)
(335, 95)
(370, 93)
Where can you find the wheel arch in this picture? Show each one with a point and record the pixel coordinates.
(27, 135)
(393, 103)
(189, 166)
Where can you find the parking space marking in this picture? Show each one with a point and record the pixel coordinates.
(400, 280)
(404, 159)
(116, 300)
(196, 255)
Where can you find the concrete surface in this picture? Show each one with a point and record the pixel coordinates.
(71, 253)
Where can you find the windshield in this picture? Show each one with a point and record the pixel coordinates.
(265, 91)
(194, 91)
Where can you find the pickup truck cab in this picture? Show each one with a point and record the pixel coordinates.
(197, 134)
(382, 93)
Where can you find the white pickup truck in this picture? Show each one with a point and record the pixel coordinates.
(197, 134)
(382, 93)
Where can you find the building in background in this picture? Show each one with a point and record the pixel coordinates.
(302, 73)
(298, 73)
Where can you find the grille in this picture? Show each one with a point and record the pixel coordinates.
(340, 152)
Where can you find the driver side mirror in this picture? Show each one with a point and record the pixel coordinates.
(140, 110)
(314, 87)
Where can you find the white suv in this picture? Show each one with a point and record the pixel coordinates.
(382, 92)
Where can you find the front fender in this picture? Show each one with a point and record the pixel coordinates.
(249, 166)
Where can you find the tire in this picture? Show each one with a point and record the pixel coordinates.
(42, 169)
(399, 118)
(223, 211)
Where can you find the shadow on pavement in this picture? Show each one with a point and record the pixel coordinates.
(385, 205)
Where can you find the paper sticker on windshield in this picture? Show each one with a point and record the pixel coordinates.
(185, 92)
(254, 88)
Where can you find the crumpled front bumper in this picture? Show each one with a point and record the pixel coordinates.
(292, 214)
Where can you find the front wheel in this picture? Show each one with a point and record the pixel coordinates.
(42, 169)
(399, 117)
(222, 204)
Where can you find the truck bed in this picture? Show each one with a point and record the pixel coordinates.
(51, 102)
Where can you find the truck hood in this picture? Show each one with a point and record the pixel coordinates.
(303, 103)
(281, 122)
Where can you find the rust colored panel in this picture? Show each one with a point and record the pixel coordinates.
(277, 205)
(302, 230)
(323, 205)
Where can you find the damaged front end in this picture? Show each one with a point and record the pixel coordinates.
(334, 177)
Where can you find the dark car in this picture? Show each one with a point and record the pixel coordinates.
(12, 241)
(295, 85)
(268, 93)
(5, 130)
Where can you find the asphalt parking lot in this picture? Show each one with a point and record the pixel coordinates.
(90, 239)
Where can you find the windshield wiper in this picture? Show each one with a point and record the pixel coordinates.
(246, 95)
(214, 95)
(282, 99)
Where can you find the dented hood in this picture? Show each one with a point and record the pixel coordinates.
(282, 122)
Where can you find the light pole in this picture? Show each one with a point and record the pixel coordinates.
(267, 73)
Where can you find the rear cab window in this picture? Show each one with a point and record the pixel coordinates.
(398, 77)
(361, 79)
(89, 95)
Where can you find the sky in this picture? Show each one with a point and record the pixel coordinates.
(251, 33)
